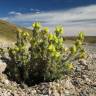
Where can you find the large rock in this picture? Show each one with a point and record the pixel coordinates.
(2, 66)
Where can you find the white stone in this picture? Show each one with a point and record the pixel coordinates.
(6, 82)
(2, 66)
(67, 92)
(68, 84)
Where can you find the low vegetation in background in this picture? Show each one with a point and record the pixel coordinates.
(41, 56)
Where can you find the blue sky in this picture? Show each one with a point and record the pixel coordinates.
(74, 15)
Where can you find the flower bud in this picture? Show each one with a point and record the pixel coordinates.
(61, 40)
(16, 49)
(83, 55)
(57, 54)
(73, 49)
(50, 37)
(46, 29)
(51, 47)
(59, 29)
(69, 66)
(81, 36)
(36, 25)
(78, 43)
(55, 38)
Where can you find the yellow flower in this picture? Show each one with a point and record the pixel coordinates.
(51, 47)
(69, 66)
(61, 40)
(73, 49)
(83, 55)
(36, 25)
(57, 54)
(78, 43)
(24, 34)
(55, 38)
(50, 37)
(46, 29)
(81, 35)
(23, 48)
(27, 34)
(59, 29)
(16, 49)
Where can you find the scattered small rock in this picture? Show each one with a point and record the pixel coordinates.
(81, 83)
(84, 63)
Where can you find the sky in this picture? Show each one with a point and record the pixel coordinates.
(73, 15)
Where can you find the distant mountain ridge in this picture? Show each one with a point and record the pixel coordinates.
(8, 30)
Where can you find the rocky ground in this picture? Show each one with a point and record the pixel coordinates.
(81, 83)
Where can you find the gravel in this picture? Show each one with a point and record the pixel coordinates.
(81, 83)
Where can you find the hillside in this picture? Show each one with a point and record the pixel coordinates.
(8, 31)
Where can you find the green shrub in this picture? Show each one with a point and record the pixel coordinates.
(42, 56)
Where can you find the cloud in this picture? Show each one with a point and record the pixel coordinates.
(35, 10)
(73, 20)
(14, 13)
(31, 9)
